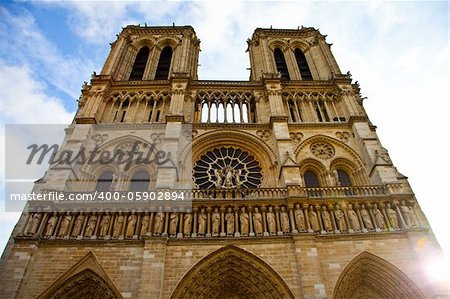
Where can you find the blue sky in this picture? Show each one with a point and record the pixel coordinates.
(398, 51)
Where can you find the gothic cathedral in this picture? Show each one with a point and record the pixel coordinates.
(278, 186)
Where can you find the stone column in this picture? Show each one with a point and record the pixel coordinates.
(236, 221)
(194, 223)
(291, 218)
(277, 220)
(222, 222)
(265, 232)
(208, 222)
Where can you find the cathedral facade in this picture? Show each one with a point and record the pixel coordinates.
(287, 190)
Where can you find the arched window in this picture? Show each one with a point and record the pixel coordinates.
(140, 181)
(162, 71)
(281, 64)
(104, 182)
(305, 72)
(311, 180)
(139, 64)
(321, 112)
(344, 178)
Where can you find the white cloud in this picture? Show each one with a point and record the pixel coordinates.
(23, 41)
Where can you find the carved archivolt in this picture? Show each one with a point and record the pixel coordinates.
(85, 279)
(369, 276)
(232, 271)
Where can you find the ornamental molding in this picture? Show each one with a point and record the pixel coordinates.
(322, 150)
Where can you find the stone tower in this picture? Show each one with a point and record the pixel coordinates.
(287, 190)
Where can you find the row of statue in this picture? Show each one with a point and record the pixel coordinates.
(223, 221)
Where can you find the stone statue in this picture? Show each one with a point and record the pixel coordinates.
(340, 219)
(159, 222)
(144, 225)
(336, 178)
(202, 222)
(65, 223)
(51, 223)
(407, 215)
(90, 228)
(327, 226)
(367, 221)
(78, 225)
(228, 177)
(284, 220)
(114, 182)
(257, 222)
(35, 221)
(271, 222)
(187, 223)
(130, 225)
(313, 219)
(392, 215)
(173, 224)
(118, 226)
(379, 218)
(244, 219)
(353, 219)
(300, 218)
(104, 225)
(229, 218)
(215, 222)
(218, 175)
(238, 178)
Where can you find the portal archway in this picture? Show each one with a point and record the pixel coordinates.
(369, 276)
(231, 272)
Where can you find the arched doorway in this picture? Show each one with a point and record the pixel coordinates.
(369, 276)
(231, 273)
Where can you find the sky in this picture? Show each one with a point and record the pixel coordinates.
(397, 51)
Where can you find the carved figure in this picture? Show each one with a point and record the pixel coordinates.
(229, 218)
(326, 219)
(130, 225)
(144, 225)
(51, 223)
(379, 218)
(244, 219)
(407, 215)
(392, 215)
(90, 229)
(340, 219)
(159, 222)
(367, 221)
(271, 224)
(35, 221)
(173, 224)
(257, 222)
(118, 226)
(104, 225)
(299, 218)
(202, 222)
(313, 219)
(353, 219)
(187, 223)
(215, 222)
(64, 228)
(78, 225)
(284, 220)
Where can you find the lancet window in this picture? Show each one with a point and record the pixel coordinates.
(225, 107)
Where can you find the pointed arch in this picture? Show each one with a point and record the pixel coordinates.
(369, 276)
(85, 279)
(231, 271)
(164, 63)
(140, 62)
(280, 63)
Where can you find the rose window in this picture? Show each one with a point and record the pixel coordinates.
(322, 150)
(226, 168)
